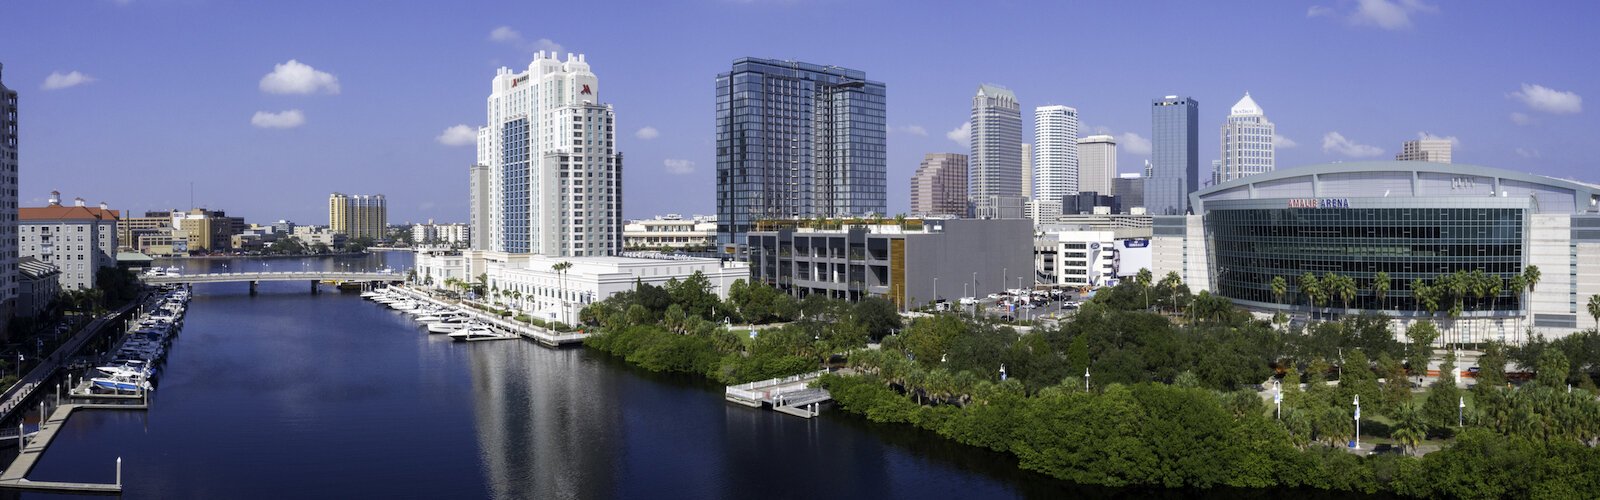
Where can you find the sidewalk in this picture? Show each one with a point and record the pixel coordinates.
(24, 388)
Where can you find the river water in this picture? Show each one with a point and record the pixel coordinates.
(289, 394)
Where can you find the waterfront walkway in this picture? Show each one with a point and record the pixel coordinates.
(12, 399)
(544, 336)
(28, 455)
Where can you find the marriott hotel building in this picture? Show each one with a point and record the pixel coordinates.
(1410, 219)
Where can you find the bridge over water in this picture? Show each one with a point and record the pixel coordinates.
(254, 278)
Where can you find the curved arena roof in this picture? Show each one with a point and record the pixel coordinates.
(1404, 179)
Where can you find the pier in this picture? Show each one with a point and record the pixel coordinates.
(28, 454)
(543, 336)
(791, 395)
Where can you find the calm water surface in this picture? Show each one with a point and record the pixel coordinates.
(330, 396)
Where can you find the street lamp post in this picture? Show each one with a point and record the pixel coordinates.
(1461, 410)
(1086, 379)
(1277, 399)
(1357, 402)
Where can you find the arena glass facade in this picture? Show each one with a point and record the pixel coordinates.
(1412, 220)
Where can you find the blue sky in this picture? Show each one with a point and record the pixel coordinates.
(129, 101)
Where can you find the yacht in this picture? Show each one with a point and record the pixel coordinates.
(477, 332)
(450, 325)
(122, 382)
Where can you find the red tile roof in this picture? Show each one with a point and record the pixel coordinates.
(58, 212)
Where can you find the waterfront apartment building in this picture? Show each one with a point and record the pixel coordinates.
(1425, 149)
(38, 284)
(1055, 152)
(671, 232)
(358, 215)
(548, 179)
(8, 202)
(1409, 220)
(939, 186)
(1097, 164)
(1247, 147)
(994, 169)
(903, 263)
(455, 235)
(1175, 155)
(797, 140)
(79, 240)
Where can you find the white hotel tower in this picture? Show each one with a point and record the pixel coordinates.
(1055, 152)
(549, 178)
(1246, 143)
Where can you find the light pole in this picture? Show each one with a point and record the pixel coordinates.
(1003, 272)
(1357, 442)
(1086, 379)
(1461, 410)
(1277, 399)
(1002, 372)
(936, 289)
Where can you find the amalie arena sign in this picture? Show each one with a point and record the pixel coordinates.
(1319, 203)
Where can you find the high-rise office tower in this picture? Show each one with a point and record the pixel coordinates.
(1246, 142)
(1055, 152)
(478, 219)
(1434, 150)
(358, 215)
(994, 180)
(1097, 163)
(8, 203)
(1027, 170)
(939, 187)
(554, 177)
(797, 139)
(1175, 155)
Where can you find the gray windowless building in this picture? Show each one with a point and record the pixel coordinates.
(909, 265)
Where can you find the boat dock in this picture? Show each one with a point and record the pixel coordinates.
(543, 336)
(791, 395)
(15, 476)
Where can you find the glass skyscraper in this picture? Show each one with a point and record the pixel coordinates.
(797, 140)
(994, 179)
(1175, 155)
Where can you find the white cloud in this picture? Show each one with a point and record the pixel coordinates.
(1549, 100)
(58, 80)
(1102, 130)
(962, 135)
(1334, 142)
(1454, 142)
(295, 77)
(283, 119)
(509, 36)
(1528, 153)
(679, 167)
(1283, 142)
(505, 34)
(1133, 143)
(647, 133)
(459, 135)
(1383, 14)
(912, 129)
(1521, 118)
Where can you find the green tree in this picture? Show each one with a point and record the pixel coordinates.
(1380, 289)
(1279, 289)
(1552, 369)
(1409, 428)
(878, 316)
(1396, 387)
(1422, 334)
(1356, 379)
(1594, 307)
(1144, 278)
(1441, 406)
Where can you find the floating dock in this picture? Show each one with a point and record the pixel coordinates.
(791, 395)
(15, 476)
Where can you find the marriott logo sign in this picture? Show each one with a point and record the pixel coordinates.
(1319, 203)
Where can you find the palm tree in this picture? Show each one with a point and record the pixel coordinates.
(1171, 282)
(1312, 289)
(1380, 289)
(561, 270)
(1143, 278)
(1594, 307)
(1279, 288)
(1341, 287)
(1530, 276)
(1516, 285)
(1409, 428)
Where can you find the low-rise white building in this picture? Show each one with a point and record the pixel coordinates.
(455, 235)
(532, 284)
(1075, 257)
(670, 232)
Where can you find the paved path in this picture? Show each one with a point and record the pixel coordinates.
(24, 388)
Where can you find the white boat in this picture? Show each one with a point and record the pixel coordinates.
(476, 332)
(122, 383)
(450, 325)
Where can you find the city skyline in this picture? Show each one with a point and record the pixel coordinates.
(385, 102)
